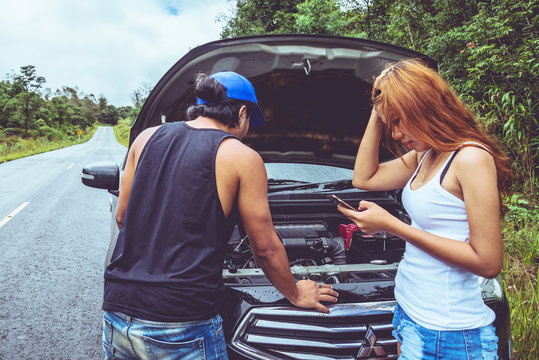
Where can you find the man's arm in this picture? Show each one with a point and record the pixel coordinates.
(266, 246)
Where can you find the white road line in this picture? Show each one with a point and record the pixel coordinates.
(13, 213)
(70, 166)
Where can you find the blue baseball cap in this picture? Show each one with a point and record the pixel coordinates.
(239, 88)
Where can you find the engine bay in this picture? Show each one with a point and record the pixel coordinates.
(325, 248)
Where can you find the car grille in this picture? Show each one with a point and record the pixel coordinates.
(349, 331)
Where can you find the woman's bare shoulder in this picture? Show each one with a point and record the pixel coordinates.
(473, 155)
(473, 160)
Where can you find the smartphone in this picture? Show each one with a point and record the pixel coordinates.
(343, 203)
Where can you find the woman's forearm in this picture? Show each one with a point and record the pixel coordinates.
(458, 253)
(366, 162)
(482, 255)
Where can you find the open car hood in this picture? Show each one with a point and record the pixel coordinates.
(314, 91)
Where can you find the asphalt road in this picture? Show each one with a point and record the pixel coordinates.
(54, 234)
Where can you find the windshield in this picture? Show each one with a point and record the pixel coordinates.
(308, 173)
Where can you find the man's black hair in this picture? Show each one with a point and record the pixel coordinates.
(218, 106)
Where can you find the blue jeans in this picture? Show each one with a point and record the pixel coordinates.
(125, 337)
(421, 343)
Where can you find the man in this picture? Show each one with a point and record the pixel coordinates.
(185, 183)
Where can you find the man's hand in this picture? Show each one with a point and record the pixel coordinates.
(310, 294)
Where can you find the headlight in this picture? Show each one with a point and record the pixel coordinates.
(491, 289)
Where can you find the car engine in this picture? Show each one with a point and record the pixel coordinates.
(318, 251)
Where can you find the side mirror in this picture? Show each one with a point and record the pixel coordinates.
(101, 175)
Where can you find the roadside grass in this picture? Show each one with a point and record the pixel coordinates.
(520, 272)
(15, 147)
(121, 131)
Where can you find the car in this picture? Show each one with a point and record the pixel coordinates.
(315, 93)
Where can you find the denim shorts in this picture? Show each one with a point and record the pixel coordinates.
(418, 342)
(125, 337)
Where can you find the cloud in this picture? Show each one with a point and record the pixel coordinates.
(104, 47)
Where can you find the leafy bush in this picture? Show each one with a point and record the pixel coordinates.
(521, 245)
(491, 60)
(14, 131)
(51, 133)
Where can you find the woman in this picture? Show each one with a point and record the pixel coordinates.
(452, 178)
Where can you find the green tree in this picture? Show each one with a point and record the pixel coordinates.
(490, 57)
(26, 109)
(409, 20)
(254, 17)
(321, 17)
(139, 95)
(60, 114)
(123, 111)
(504, 76)
(5, 96)
(91, 110)
(109, 115)
(25, 98)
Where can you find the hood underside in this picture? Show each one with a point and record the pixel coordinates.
(314, 91)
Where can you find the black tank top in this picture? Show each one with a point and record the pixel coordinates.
(168, 260)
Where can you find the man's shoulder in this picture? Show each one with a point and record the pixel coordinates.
(233, 144)
(232, 149)
(142, 139)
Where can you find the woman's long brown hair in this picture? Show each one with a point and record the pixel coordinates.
(424, 103)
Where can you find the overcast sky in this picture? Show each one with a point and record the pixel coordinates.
(104, 47)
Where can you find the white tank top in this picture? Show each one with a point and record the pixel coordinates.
(437, 295)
